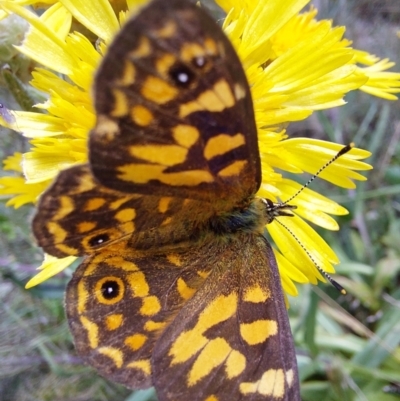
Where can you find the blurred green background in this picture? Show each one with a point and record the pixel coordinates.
(348, 346)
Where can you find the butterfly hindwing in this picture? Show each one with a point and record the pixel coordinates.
(175, 115)
(231, 341)
(208, 321)
(118, 303)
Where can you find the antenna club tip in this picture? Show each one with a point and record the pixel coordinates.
(345, 150)
(337, 286)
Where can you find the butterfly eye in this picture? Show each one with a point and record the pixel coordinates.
(181, 75)
(110, 290)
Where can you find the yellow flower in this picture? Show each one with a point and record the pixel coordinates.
(295, 65)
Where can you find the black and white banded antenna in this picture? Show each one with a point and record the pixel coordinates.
(278, 209)
(320, 269)
(341, 152)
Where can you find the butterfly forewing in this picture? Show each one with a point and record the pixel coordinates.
(78, 216)
(175, 114)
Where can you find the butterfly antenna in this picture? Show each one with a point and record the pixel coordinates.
(341, 152)
(320, 269)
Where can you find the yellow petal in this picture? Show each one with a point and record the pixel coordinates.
(45, 168)
(38, 125)
(50, 267)
(293, 236)
(287, 269)
(44, 79)
(257, 32)
(21, 192)
(3, 15)
(96, 15)
(42, 44)
(13, 162)
(310, 155)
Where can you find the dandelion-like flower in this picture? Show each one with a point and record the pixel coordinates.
(295, 65)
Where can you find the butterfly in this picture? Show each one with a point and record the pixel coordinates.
(178, 288)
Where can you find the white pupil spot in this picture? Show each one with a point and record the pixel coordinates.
(183, 77)
(199, 61)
